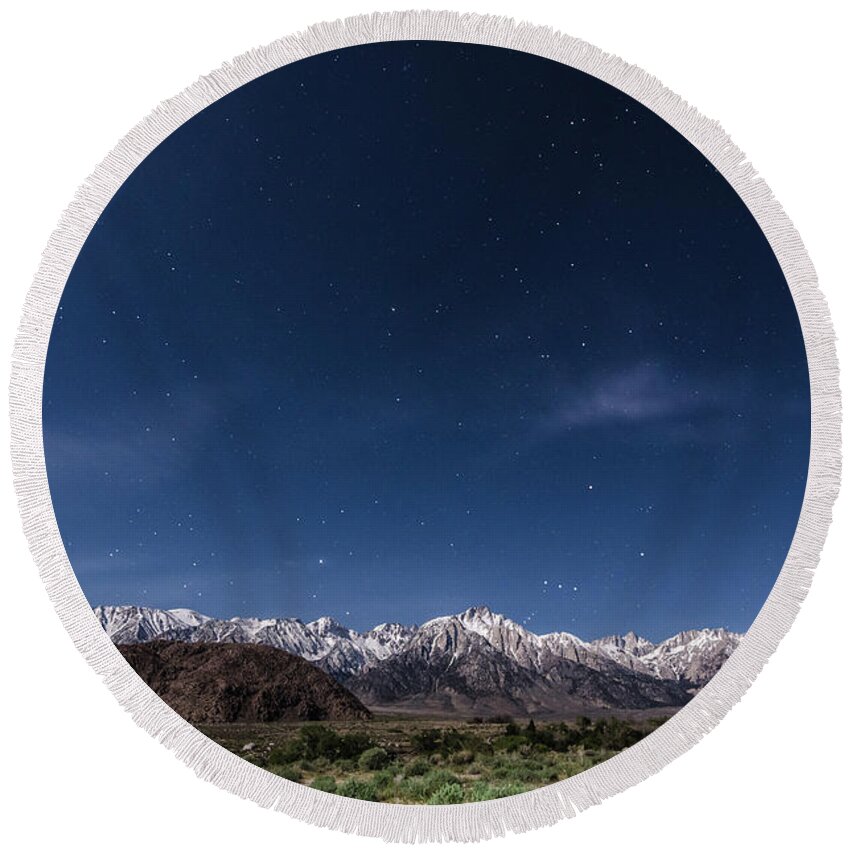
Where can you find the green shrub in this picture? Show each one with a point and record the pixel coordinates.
(482, 791)
(452, 741)
(432, 781)
(425, 741)
(384, 782)
(420, 789)
(611, 733)
(287, 753)
(522, 770)
(446, 794)
(325, 783)
(319, 741)
(462, 757)
(418, 767)
(510, 743)
(375, 758)
(358, 789)
(286, 771)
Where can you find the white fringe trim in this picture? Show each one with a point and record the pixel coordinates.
(395, 822)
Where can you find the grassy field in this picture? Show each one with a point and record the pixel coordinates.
(404, 760)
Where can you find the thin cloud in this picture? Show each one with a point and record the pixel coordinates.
(639, 394)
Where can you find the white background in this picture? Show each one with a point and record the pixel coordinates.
(77, 76)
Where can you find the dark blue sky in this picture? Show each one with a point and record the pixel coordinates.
(414, 326)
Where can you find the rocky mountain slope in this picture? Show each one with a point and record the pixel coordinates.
(339, 651)
(692, 657)
(478, 663)
(224, 683)
(475, 662)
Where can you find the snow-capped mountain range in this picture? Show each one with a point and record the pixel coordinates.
(472, 662)
(325, 642)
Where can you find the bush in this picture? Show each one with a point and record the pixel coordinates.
(358, 789)
(325, 783)
(452, 741)
(446, 794)
(286, 771)
(432, 781)
(287, 753)
(510, 743)
(418, 767)
(444, 742)
(322, 742)
(442, 777)
(522, 770)
(320, 745)
(482, 791)
(384, 783)
(462, 757)
(611, 733)
(420, 789)
(375, 758)
(426, 741)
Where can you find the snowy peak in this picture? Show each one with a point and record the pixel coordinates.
(484, 622)
(387, 639)
(187, 616)
(690, 657)
(629, 643)
(701, 637)
(693, 656)
(136, 624)
(479, 615)
(327, 626)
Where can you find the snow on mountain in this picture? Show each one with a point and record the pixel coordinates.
(629, 644)
(626, 650)
(690, 658)
(693, 656)
(135, 624)
(187, 616)
(481, 663)
(387, 639)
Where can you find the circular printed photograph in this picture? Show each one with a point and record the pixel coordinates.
(426, 422)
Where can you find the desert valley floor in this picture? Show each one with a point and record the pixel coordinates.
(420, 760)
(466, 707)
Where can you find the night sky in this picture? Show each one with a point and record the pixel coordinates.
(409, 327)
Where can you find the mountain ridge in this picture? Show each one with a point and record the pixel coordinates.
(475, 661)
(226, 683)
